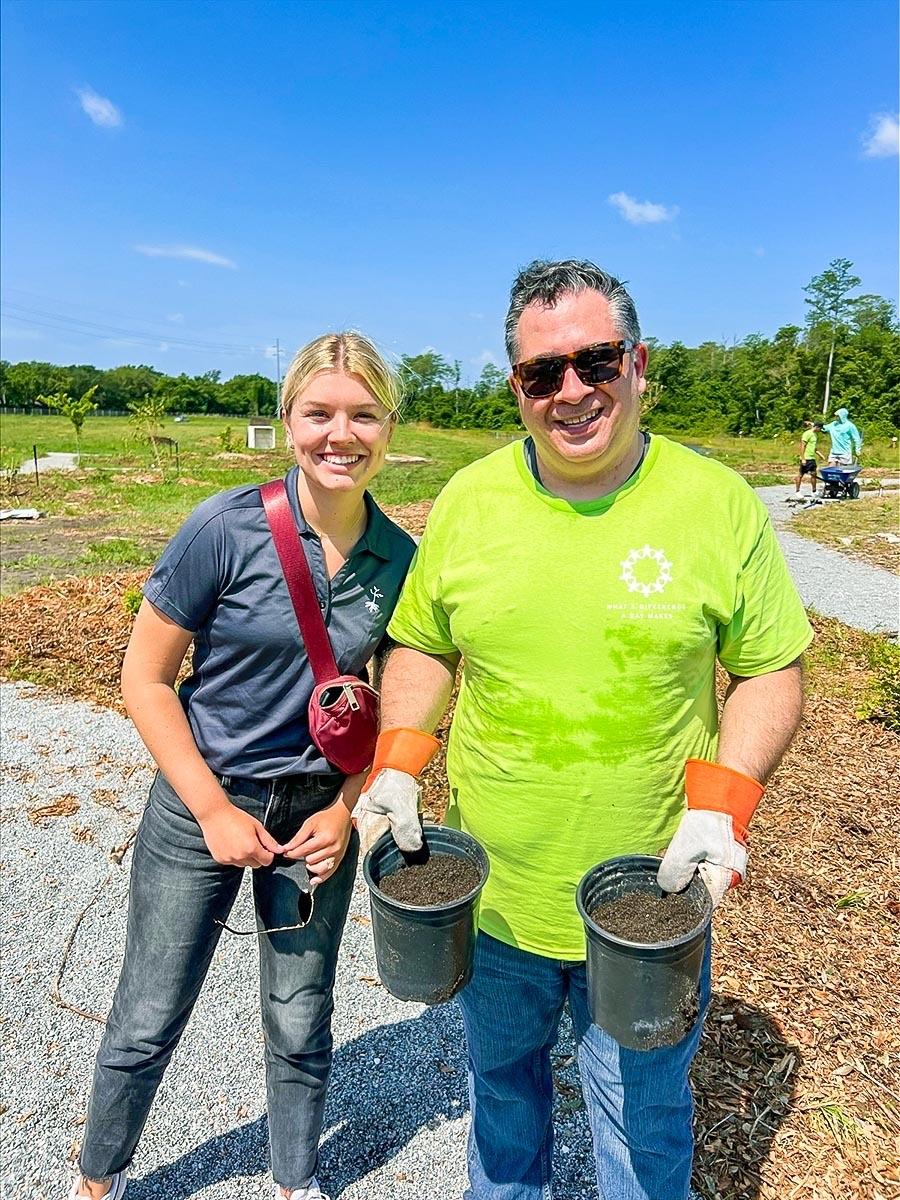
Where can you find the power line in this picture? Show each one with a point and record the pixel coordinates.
(65, 323)
(39, 302)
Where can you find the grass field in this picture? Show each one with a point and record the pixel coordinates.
(120, 507)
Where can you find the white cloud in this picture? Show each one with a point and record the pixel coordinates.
(176, 318)
(641, 212)
(759, 251)
(485, 357)
(99, 109)
(195, 253)
(883, 137)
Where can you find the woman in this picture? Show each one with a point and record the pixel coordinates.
(240, 783)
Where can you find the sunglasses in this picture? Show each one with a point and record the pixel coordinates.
(542, 377)
(305, 907)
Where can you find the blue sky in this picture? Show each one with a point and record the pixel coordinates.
(186, 182)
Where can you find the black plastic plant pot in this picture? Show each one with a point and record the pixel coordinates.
(425, 952)
(643, 995)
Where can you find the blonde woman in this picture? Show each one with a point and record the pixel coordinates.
(240, 783)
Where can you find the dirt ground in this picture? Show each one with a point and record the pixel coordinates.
(796, 1081)
(39, 551)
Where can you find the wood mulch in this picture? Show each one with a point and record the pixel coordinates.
(798, 1077)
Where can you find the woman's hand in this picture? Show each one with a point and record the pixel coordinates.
(322, 840)
(235, 839)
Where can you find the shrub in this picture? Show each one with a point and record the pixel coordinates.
(131, 600)
(882, 699)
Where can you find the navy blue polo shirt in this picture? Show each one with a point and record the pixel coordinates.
(247, 696)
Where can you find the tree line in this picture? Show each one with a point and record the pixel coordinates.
(845, 354)
(120, 388)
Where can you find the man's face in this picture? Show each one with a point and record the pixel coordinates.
(582, 432)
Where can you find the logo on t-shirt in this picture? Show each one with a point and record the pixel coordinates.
(646, 571)
(375, 595)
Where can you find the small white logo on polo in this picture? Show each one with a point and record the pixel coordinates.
(375, 595)
(646, 580)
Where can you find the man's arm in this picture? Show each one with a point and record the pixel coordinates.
(759, 718)
(416, 689)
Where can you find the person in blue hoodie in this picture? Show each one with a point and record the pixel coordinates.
(846, 440)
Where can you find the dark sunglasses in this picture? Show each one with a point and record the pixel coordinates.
(542, 377)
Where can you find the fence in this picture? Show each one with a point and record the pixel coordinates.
(36, 410)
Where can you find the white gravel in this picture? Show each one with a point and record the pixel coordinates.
(832, 583)
(397, 1115)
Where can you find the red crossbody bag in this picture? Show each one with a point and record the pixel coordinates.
(343, 709)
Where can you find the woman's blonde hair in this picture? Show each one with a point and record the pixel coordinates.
(350, 353)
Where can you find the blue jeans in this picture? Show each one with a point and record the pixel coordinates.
(638, 1102)
(177, 892)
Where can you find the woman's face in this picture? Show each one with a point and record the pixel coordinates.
(339, 431)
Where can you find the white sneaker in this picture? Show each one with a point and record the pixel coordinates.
(311, 1192)
(117, 1185)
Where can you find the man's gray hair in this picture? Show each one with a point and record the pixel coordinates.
(544, 282)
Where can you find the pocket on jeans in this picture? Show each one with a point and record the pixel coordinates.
(164, 798)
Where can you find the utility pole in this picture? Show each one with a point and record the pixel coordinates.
(278, 372)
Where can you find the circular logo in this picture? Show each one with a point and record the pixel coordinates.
(646, 571)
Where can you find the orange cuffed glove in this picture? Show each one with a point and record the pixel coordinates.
(712, 835)
(390, 795)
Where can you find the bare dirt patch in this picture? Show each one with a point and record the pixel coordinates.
(34, 552)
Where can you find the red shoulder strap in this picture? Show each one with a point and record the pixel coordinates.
(299, 580)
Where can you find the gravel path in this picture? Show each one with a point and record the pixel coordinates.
(397, 1115)
(396, 1120)
(830, 582)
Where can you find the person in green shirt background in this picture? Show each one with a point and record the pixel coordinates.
(808, 460)
(588, 577)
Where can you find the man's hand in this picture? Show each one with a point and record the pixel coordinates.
(712, 836)
(391, 802)
(322, 841)
(235, 839)
(704, 842)
(390, 796)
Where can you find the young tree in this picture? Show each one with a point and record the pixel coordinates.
(75, 410)
(830, 304)
(147, 417)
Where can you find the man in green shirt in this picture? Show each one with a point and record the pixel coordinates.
(809, 439)
(588, 577)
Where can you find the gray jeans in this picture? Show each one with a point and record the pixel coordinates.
(177, 892)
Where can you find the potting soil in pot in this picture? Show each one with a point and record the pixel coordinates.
(645, 918)
(440, 880)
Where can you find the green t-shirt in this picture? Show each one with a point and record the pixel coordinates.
(589, 634)
(810, 440)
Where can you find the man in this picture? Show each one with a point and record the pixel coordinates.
(809, 439)
(588, 577)
(846, 441)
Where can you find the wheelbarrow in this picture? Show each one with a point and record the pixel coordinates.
(839, 483)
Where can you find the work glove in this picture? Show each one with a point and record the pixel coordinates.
(390, 795)
(712, 836)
